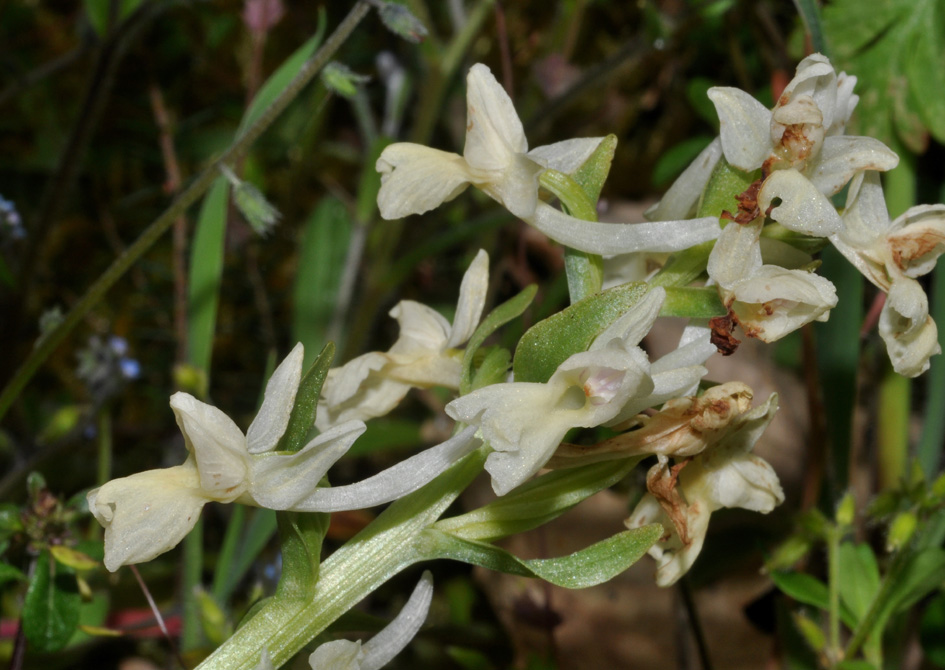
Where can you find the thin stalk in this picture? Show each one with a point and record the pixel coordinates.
(895, 392)
(45, 346)
(191, 634)
(695, 625)
(833, 594)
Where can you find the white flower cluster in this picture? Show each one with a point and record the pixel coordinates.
(801, 157)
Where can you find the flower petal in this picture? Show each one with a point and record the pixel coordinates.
(680, 201)
(744, 126)
(279, 399)
(773, 302)
(281, 481)
(423, 330)
(380, 649)
(494, 132)
(357, 390)
(148, 513)
(919, 239)
(842, 156)
(622, 238)
(394, 482)
(217, 444)
(565, 156)
(472, 298)
(736, 254)
(910, 335)
(803, 208)
(337, 655)
(416, 179)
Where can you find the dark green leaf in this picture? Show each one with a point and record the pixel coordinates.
(895, 48)
(306, 402)
(51, 606)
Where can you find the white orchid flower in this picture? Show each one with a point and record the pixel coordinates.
(426, 354)
(683, 498)
(891, 254)
(799, 146)
(380, 649)
(416, 179)
(768, 301)
(149, 513)
(524, 422)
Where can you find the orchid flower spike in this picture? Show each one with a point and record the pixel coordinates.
(726, 474)
(524, 422)
(799, 146)
(426, 354)
(891, 254)
(380, 649)
(416, 179)
(149, 513)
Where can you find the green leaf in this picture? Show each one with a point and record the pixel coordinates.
(323, 250)
(51, 606)
(493, 369)
(547, 344)
(924, 572)
(536, 502)
(300, 541)
(724, 184)
(306, 402)
(895, 48)
(281, 77)
(810, 591)
(588, 567)
(593, 172)
(8, 573)
(694, 303)
(859, 577)
(206, 270)
(498, 317)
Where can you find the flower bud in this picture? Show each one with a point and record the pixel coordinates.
(901, 530)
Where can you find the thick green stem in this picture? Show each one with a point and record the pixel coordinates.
(390, 544)
(198, 187)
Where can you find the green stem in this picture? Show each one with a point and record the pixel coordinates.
(892, 422)
(585, 271)
(833, 585)
(191, 636)
(387, 546)
(45, 346)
